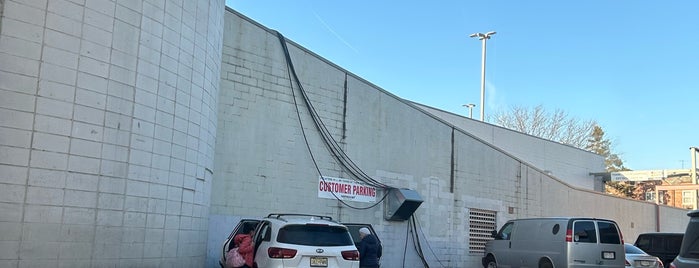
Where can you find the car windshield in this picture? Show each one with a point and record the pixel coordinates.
(630, 249)
(315, 235)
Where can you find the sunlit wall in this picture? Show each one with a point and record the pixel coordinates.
(107, 127)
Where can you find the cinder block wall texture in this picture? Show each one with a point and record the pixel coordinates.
(262, 164)
(107, 131)
(136, 133)
(550, 157)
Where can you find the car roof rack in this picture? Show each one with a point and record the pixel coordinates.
(280, 215)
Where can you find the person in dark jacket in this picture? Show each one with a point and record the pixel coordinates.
(368, 249)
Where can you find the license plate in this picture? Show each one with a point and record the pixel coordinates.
(608, 255)
(645, 263)
(319, 261)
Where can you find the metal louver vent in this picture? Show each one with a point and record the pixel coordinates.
(481, 224)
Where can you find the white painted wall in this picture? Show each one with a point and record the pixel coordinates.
(552, 157)
(107, 129)
(262, 164)
(120, 146)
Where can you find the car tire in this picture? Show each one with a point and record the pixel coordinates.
(545, 263)
(490, 262)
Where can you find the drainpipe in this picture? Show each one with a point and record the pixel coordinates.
(693, 173)
(657, 217)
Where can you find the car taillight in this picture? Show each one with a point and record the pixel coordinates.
(569, 235)
(672, 265)
(352, 255)
(627, 263)
(281, 253)
(621, 236)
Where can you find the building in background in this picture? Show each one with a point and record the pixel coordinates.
(672, 187)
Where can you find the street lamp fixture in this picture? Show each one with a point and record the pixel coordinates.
(470, 109)
(483, 37)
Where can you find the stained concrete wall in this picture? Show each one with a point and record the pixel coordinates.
(551, 157)
(107, 130)
(111, 114)
(262, 164)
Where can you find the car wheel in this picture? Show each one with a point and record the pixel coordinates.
(545, 263)
(490, 263)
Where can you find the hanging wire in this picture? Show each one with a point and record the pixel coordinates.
(329, 141)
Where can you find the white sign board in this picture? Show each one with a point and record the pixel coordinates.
(344, 189)
(646, 175)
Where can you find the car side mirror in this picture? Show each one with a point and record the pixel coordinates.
(494, 234)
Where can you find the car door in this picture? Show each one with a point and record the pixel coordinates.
(596, 244)
(228, 244)
(584, 249)
(263, 241)
(501, 246)
(611, 247)
(354, 231)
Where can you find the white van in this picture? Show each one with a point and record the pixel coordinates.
(556, 242)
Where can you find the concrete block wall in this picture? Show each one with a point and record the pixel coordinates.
(107, 130)
(548, 156)
(262, 164)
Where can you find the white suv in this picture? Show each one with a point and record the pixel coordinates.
(298, 240)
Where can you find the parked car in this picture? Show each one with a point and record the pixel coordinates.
(298, 240)
(637, 258)
(556, 242)
(689, 250)
(665, 246)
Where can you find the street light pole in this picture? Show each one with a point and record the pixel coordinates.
(483, 37)
(470, 109)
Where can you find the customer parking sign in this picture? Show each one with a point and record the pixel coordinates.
(345, 189)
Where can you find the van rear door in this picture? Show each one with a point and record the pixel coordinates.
(611, 244)
(595, 244)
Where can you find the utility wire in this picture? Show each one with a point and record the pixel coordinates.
(416, 242)
(330, 142)
(333, 147)
(427, 242)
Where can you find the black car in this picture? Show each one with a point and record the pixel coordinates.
(665, 246)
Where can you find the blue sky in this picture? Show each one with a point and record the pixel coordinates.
(632, 66)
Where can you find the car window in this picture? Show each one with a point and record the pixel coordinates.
(643, 242)
(629, 249)
(674, 242)
(243, 225)
(505, 232)
(264, 232)
(608, 233)
(354, 230)
(315, 235)
(584, 232)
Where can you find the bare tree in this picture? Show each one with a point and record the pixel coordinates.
(555, 126)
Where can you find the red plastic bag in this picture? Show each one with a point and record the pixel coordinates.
(234, 259)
